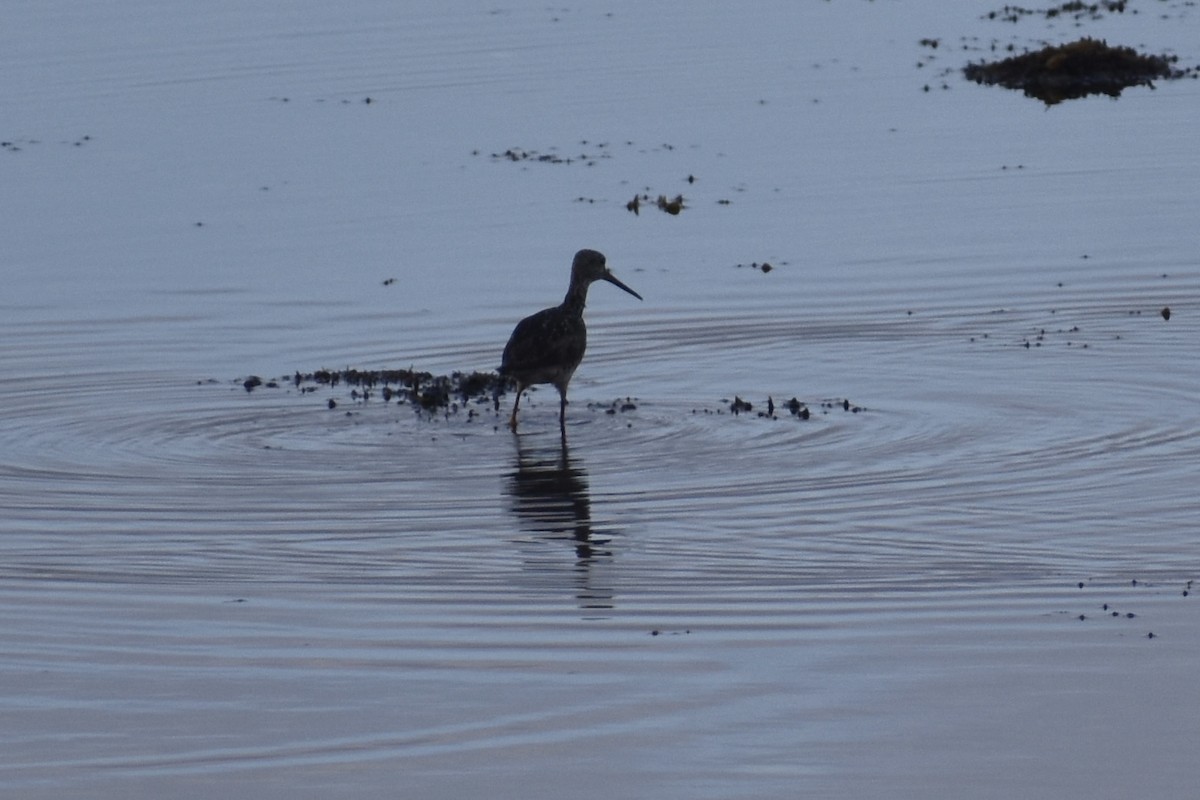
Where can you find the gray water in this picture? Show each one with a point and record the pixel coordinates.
(949, 589)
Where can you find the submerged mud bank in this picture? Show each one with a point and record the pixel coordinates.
(423, 390)
(445, 395)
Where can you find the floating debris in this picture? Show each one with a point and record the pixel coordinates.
(764, 267)
(518, 154)
(844, 405)
(1166, 312)
(424, 390)
(16, 145)
(465, 392)
(1076, 10)
(795, 407)
(672, 206)
(618, 406)
(1077, 69)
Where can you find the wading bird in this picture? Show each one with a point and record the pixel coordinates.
(547, 346)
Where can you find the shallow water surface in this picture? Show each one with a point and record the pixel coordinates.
(969, 567)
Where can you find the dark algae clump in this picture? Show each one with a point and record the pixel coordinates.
(422, 389)
(433, 395)
(1077, 69)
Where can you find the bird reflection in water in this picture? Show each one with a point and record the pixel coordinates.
(550, 497)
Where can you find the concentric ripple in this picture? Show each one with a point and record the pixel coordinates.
(959, 440)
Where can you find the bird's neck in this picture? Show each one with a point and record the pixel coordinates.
(576, 299)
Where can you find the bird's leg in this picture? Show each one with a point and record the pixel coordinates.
(562, 408)
(512, 421)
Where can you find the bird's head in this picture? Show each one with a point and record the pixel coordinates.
(589, 266)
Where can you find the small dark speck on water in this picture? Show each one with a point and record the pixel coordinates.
(1166, 313)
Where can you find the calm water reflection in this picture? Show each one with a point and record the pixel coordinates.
(550, 498)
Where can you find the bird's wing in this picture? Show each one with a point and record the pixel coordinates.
(545, 339)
